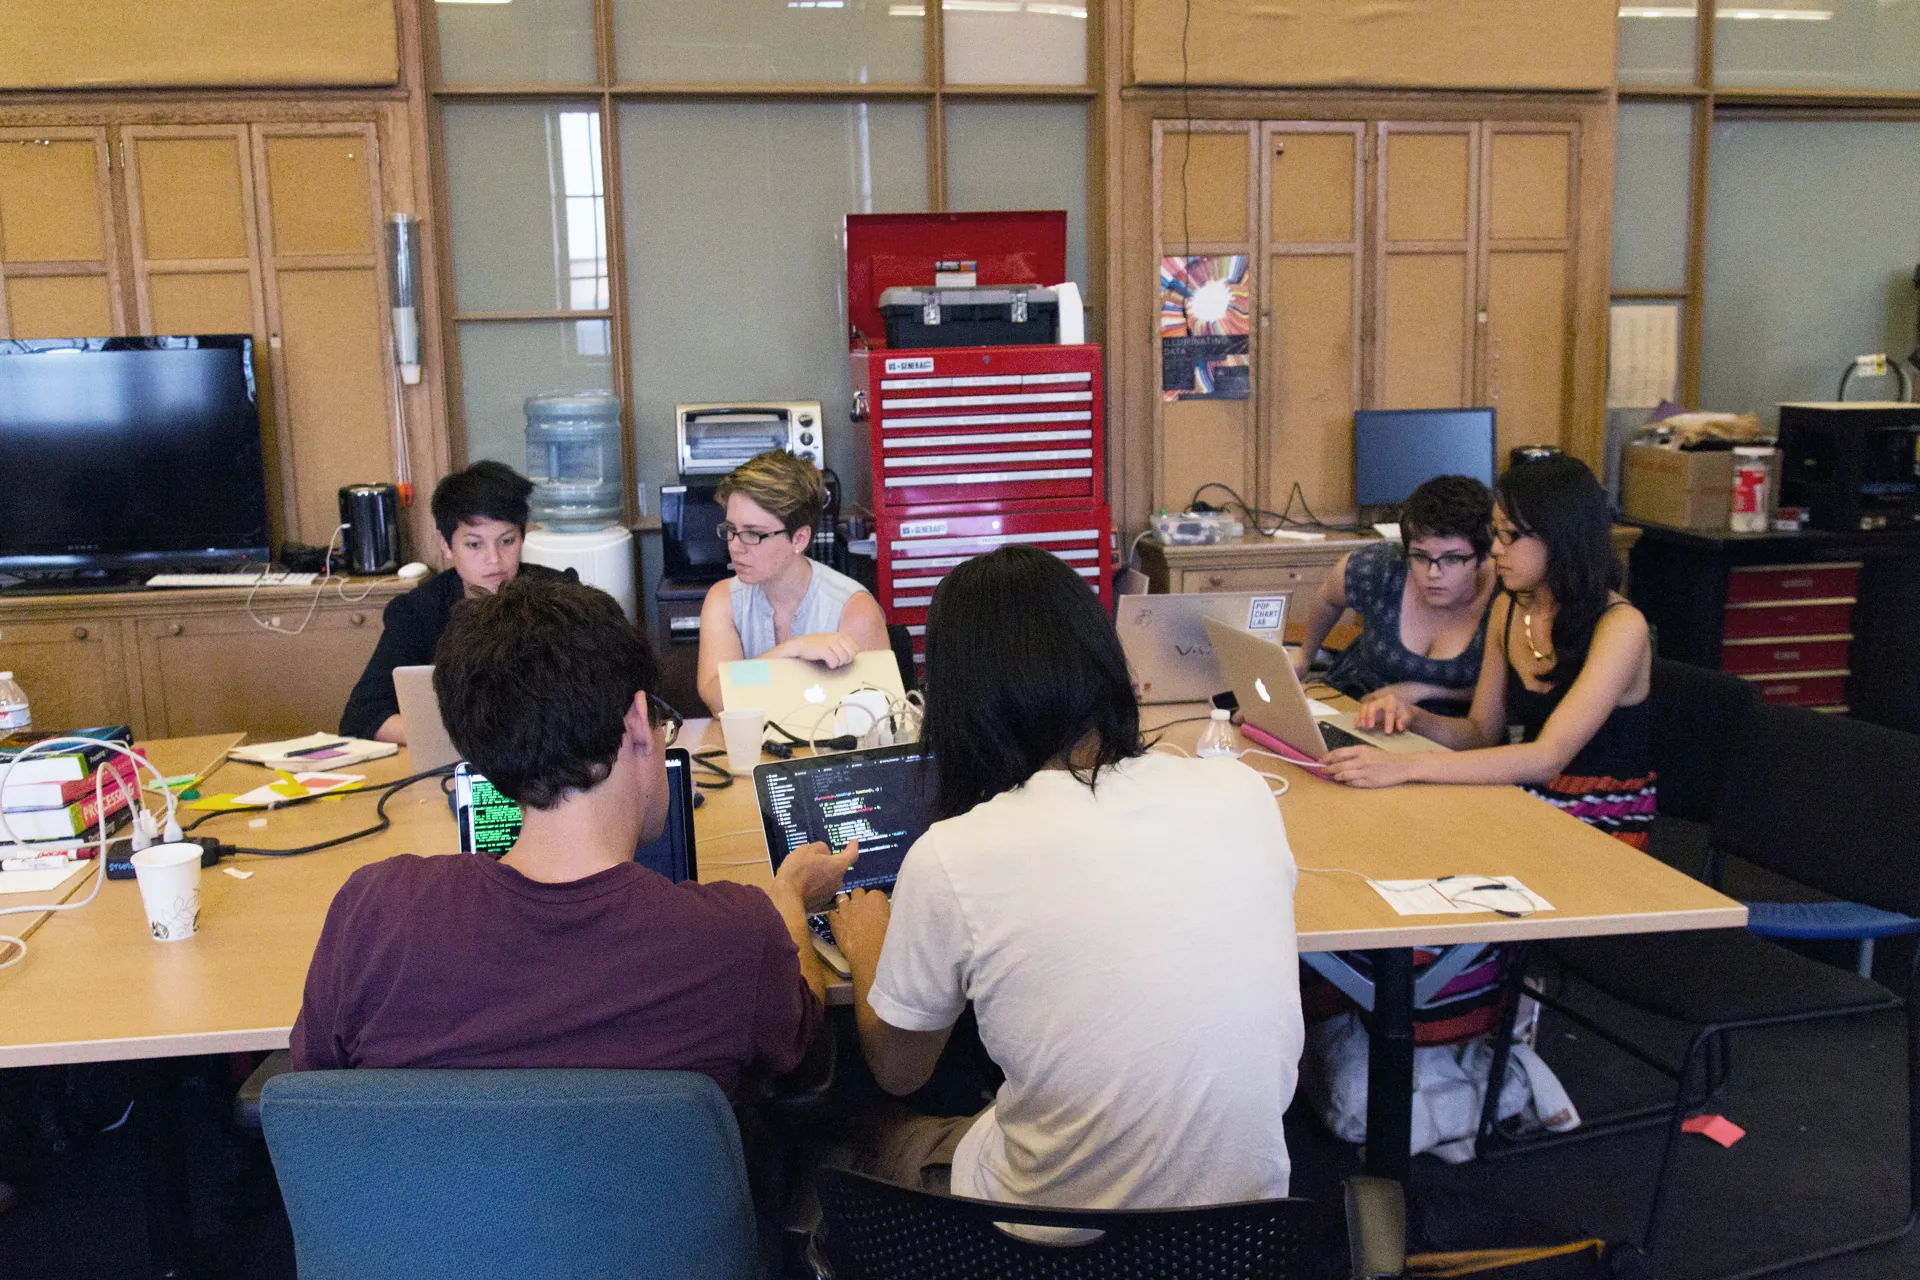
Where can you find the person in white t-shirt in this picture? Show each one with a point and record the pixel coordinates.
(1122, 922)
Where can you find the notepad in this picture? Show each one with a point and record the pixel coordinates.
(1429, 898)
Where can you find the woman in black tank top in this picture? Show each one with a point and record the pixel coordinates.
(1561, 704)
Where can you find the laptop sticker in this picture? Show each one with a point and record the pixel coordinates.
(751, 673)
(1264, 612)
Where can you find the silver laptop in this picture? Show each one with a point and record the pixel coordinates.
(427, 742)
(801, 696)
(1261, 676)
(1166, 643)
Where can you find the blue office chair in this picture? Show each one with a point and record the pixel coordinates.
(603, 1174)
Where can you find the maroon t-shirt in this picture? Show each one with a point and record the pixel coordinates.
(458, 961)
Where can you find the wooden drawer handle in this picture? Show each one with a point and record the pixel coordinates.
(358, 619)
(1215, 579)
(174, 629)
(79, 633)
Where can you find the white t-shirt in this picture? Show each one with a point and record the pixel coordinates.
(1130, 955)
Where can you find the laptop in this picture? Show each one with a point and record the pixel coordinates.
(428, 745)
(801, 696)
(489, 823)
(1167, 646)
(879, 797)
(1261, 676)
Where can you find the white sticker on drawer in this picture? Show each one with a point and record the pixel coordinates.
(910, 364)
(923, 529)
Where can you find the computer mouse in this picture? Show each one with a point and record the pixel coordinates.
(415, 571)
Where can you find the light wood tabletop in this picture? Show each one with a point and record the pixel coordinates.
(94, 987)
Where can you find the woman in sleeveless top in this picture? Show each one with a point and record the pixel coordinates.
(779, 603)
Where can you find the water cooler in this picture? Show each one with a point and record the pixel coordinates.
(573, 459)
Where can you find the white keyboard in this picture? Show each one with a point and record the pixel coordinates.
(232, 579)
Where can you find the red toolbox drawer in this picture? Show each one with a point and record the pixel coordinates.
(1793, 582)
(916, 552)
(1788, 618)
(1803, 691)
(978, 428)
(1748, 657)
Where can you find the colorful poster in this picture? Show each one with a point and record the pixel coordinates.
(1205, 309)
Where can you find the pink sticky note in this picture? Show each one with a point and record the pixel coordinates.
(1719, 1128)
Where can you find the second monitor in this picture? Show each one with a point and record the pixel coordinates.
(1395, 451)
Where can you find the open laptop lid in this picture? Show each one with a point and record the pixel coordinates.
(428, 745)
(800, 696)
(489, 823)
(1167, 646)
(880, 797)
(1260, 673)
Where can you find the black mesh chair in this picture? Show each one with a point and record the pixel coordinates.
(874, 1230)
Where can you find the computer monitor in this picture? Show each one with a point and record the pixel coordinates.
(489, 823)
(1395, 451)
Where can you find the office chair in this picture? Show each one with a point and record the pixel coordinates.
(536, 1173)
(874, 1230)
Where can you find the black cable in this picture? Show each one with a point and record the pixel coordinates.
(1169, 724)
(380, 811)
(706, 760)
(1251, 512)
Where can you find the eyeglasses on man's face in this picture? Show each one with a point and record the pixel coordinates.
(1448, 562)
(728, 531)
(663, 717)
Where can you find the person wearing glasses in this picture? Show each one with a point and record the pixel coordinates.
(779, 603)
(1422, 602)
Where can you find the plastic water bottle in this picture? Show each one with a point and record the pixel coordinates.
(1217, 738)
(15, 716)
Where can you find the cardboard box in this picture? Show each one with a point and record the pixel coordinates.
(1671, 487)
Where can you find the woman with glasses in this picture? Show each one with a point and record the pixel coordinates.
(1423, 602)
(779, 603)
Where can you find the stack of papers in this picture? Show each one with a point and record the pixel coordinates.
(1457, 896)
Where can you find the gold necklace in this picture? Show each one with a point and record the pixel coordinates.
(1526, 628)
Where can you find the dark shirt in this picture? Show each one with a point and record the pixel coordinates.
(410, 632)
(1376, 589)
(460, 961)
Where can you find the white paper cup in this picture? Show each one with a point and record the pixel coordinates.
(169, 877)
(741, 727)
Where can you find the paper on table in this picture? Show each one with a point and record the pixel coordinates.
(315, 783)
(1421, 898)
(41, 880)
(1321, 711)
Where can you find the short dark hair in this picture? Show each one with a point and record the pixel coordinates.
(487, 489)
(1557, 500)
(1023, 665)
(534, 683)
(1450, 507)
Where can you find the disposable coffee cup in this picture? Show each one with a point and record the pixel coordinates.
(169, 878)
(741, 727)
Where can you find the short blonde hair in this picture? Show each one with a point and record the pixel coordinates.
(789, 487)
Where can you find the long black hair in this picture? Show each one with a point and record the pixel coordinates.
(1023, 666)
(1557, 500)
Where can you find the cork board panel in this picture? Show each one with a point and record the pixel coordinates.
(1528, 186)
(317, 187)
(1439, 44)
(61, 44)
(50, 201)
(1428, 182)
(221, 302)
(1201, 441)
(1310, 436)
(1212, 208)
(59, 307)
(1527, 346)
(337, 394)
(1311, 188)
(192, 203)
(1423, 344)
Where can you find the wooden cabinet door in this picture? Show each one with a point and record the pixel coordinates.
(1426, 238)
(59, 272)
(74, 672)
(217, 672)
(1528, 253)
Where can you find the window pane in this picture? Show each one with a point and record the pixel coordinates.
(1818, 44)
(1653, 163)
(1022, 156)
(769, 41)
(735, 260)
(515, 41)
(527, 206)
(1014, 41)
(1658, 42)
(1799, 281)
(504, 362)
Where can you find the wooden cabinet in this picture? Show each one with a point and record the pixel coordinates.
(174, 664)
(1252, 563)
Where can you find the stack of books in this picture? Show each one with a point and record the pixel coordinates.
(53, 800)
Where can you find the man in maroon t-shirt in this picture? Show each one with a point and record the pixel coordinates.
(565, 952)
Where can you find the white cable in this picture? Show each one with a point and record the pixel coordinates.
(1240, 756)
(319, 589)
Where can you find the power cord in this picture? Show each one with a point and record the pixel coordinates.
(319, 589)
(379, 809)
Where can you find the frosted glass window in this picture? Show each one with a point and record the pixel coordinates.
(1818, 44)
(769, 41)
(504, 362)
(527, 205)
(515, 41)
(1006, 155)
(1653, 164)
(1811, 242)
(736, 267)
(1658, 43)
(1014, 41)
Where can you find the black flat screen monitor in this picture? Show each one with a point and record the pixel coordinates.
(1395, 451)
(125, 453)
(489, 823)
(691, 550)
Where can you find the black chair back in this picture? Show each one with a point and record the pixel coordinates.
(875, 1230)
(1827, 801)
(1699, 717)
(901, 643)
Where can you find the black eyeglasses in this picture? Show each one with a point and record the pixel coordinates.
(1507, 537)
(663, 717)
(1451, 560)
(727, 532)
